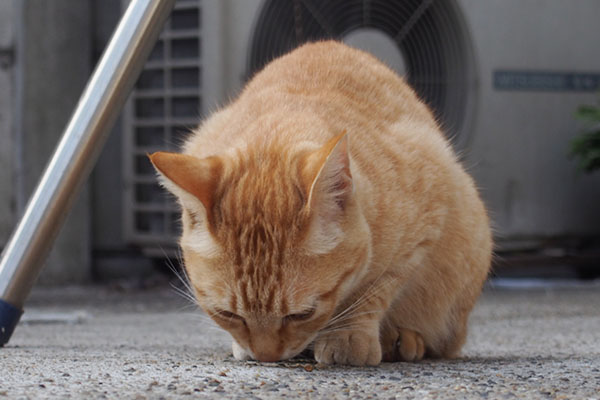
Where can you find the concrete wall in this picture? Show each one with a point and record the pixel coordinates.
(55, 63)
(7, 93)
(520, 140)
(107, 209)
(226, 37)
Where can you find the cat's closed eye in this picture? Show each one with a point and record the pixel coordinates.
(228, 316)
(302, 316)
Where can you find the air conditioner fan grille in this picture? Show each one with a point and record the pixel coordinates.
(429, 34)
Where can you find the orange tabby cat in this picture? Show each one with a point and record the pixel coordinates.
(325, 206)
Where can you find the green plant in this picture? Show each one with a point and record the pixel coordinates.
(586, 146)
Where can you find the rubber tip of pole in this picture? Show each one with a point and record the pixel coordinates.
(9, 318)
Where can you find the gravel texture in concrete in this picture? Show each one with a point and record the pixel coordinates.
(99, 343)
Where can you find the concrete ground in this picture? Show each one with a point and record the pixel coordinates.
(535, 342)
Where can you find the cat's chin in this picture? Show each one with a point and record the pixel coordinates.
(239, 353)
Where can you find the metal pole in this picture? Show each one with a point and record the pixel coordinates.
(76, 154)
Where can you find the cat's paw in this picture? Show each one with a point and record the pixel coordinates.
(239, 353)
(351, 347)
(407, 345)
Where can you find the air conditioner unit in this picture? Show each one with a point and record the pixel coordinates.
(504, 78)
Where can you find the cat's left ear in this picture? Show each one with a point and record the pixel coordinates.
(327, 176)
(328, 182)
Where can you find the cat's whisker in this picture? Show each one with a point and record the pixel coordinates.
(212, 328)
(183, 292)
(201, 316)
(365, 296)
(361, 299)
(346, 323)
(190, 306)
(182, 277)
(337, 327)
(350, 327)
(180, 273)
(186, 295)
(349, 314)
(355, 315)
(185, 280)
(207, 321)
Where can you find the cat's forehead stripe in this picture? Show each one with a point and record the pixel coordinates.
(269, 302)
(244, 292)
(262, 298)
(233, 304)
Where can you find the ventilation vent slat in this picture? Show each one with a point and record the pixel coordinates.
(164, 106)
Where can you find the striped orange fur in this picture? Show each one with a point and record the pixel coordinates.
(324, 207)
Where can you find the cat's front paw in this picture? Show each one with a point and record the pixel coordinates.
(351, 347)
(239, 353)
(403, 345)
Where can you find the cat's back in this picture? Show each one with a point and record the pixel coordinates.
(322, 83)
(329, 73)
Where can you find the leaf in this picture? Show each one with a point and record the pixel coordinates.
(588, 113)
(586, 147)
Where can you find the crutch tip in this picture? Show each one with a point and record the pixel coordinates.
(9, 318)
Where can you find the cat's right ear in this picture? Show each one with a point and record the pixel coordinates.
(191, 179)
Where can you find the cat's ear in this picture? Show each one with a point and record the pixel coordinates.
(189, 178)
(328, 182)
(327, 176)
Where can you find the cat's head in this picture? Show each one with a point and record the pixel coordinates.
(273, 239)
